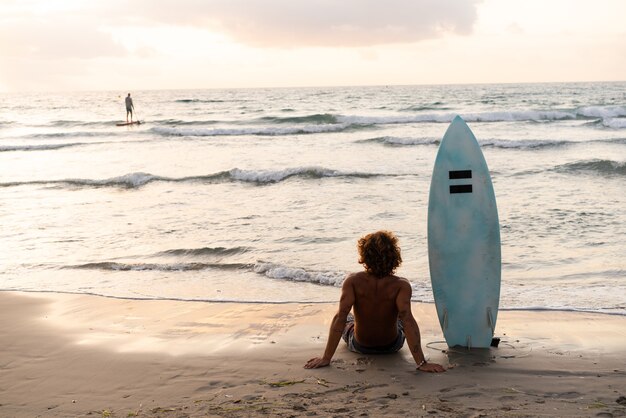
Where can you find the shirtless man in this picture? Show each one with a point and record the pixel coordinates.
(382, 307)
(129, 107)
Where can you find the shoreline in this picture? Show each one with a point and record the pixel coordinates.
(528, 309)
(76, 355)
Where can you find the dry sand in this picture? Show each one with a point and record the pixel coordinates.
(75, 355)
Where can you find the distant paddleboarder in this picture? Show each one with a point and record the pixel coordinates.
(129, 108)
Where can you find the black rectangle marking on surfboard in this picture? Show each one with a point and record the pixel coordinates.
(461, 188)
(460, 174)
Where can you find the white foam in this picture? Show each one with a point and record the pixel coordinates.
(277, 271)
(273, 176)
(513, 144)
(384, 120)
(132, 179)
(513, 116)
(345, 121)
(392, 140)
(37, 147)
(519, 116)
(602, 111)
(615, 123)
(268, 131)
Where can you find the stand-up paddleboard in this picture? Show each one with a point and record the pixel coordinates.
(137, 122)
(464, 240)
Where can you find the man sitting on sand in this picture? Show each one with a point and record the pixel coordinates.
(382, 307)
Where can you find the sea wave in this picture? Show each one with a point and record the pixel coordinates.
(611, 310)
(115, 266)
(614, 123)
(495, 143)
(132, 180)
(201, 101)
(524, 144)
(532, 144)
(181, 122)
(72, 134)
(137, 180)
(275, 176)
(429, 106)
(282, 272)
(400, 141)
(205, 251)
(503, 116)
(9, 148)
(62, 123)
(256, 131)
(591, 112)
(613, 117)
(595, 166)
(602, 112)
(421, 291)
(608, 116)
(317, 118)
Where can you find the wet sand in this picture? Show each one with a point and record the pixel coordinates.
(76, 355)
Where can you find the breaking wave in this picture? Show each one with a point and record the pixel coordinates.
(205, 251)
(281, 272)
(73, 134)
(595, 166)
(400, 141)
(614, 123)
(8, 148)
(200, 101)
(493, 143)
(275, 176)
(114, 266)
(257, 131)
(524, 144)
(324, 118)
(137, 180)
(607, 116)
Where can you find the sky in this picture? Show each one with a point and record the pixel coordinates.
(79, 45)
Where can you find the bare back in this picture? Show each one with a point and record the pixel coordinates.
(375, 307)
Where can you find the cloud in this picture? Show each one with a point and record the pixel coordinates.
(318, 23)
(51, 44)
(40, 28)
(58, 37)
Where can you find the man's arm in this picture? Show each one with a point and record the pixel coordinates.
(412, 331)
(336, 326)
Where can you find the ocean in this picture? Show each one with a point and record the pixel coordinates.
(260, 195)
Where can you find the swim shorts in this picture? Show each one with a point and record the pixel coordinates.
(353, 345)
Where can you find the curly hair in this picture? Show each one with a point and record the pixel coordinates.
(379, 253)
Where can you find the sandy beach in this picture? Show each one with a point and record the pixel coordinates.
(76, 355)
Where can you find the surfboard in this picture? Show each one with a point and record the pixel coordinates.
(137, 122)
(464, 252)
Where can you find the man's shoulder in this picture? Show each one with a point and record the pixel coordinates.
(400, 282)
(354, 277)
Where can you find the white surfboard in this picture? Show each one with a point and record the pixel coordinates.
(464, 240)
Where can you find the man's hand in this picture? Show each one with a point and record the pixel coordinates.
(431, 368)
(316, 362)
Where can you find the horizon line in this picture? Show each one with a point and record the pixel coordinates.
(314, 86)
